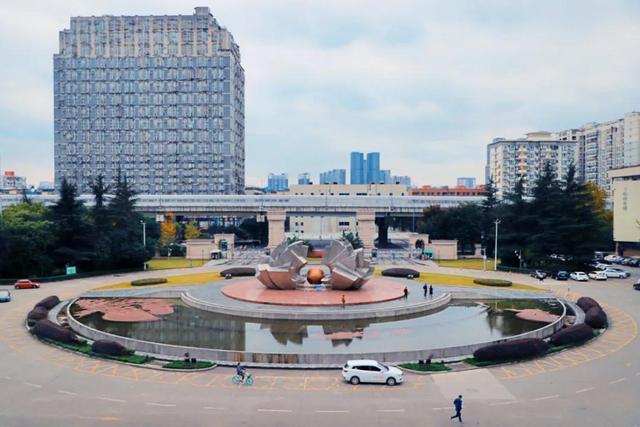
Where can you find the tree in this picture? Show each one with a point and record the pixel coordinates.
(26, 241)
(599, 207)
(72, 229)
(490, 206)
(515, 226)
(353, 239)
(101, 224)
(191, 231)
(463, 223)
(546, 216)
(168, 230)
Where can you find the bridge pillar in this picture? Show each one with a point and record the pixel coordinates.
(366, 219)
(276, 218)
(383, 231)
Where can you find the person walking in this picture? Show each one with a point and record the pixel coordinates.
(458, 405)
(406, 292)
(344, 301)
(425, 288)
(430, 290)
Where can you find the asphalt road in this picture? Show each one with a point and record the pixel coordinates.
(599, 385)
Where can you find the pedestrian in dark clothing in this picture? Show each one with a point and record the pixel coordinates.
(430, 290)
(406, 293)
(458, 405)
(425, 288)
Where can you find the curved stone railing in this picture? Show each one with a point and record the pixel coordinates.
(270, 313)
(302, 360)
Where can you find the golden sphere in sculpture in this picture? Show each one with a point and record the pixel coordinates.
(315, 276)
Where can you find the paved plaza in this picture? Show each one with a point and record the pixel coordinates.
(594, 385)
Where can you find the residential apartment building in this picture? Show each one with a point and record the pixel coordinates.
(11, 183)
(278, 182)
(304, 178)
(458, 191)
(510, 159)
(365, 170)
(159, 99)
(334, 176)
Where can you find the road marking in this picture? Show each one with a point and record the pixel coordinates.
(32, 385)
(440, 409)
(337, 411)
(165, 405)
(110, 418)
(504, 403)
(585, 390)
(70, 393)
(619, 380)
(213, 408)
(553, 396)
(389, 410)
(110, 399)
(275, 410)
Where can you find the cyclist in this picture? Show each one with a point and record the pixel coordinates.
(240, 371)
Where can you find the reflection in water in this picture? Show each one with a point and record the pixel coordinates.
(459, 324)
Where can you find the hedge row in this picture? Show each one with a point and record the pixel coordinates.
(576, 334)
(585, 303)
(492, 282)
(238, 272)
(47, 329)
(401, 272)
(150, 281)
(511, 350)
(594, 314)
(49, 302)
(110, 348)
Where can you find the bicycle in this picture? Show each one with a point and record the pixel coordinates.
(237, 379)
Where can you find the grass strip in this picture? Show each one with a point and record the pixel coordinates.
(181, 364)
(85, 348)
(426, 367)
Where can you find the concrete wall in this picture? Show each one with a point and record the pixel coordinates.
(443, 249)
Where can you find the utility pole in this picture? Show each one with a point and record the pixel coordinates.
(495, 248)
(144, 233)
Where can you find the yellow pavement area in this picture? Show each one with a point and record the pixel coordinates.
(470, 263)
(169, 263)
(463, 281)
(181, 280)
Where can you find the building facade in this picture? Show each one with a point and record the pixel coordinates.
(11, 183)
(374, 174)
(626, 209)
(158, 99)
(358, 170)
(348, 190)
(335, 176)
(466, 182)
(278, 182)
(304, 178)
(508, 160)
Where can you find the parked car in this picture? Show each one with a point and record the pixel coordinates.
(601, 266)
(597, 275)
(538, 274)
(580, 276)
(370, 371)
(561, 275)
(616, 272)
(5, 296)
(635, 262)
(636, 285)
(26, 284)
(611, 258)
(625, 261)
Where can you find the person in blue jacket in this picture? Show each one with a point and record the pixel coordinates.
(458, 405)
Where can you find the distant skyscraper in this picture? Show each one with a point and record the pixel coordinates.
(358, 172)
(385, 176)
(159, 99)
(467, 182)
(373, 168)
(335, 176)
(278, 182)
(304, 179)
(404, 180)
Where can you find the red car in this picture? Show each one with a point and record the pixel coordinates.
(26, 284)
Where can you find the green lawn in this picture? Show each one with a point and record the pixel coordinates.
(470, 263)
(169, 263)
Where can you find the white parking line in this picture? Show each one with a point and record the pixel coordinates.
(619, 380)
(553, 396)
(511, 402)
(32, 384)
(440, 409)
(110, 399)
(337, 411)
(275, 410)
(584, 390)
(389, 410)
(213, 408)
(70, 393)
(164, 405)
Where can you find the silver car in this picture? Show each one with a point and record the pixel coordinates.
(5, 296)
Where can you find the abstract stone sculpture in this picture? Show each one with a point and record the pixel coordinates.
(349, 269)
(281, 270)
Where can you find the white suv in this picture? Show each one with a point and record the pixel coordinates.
(370, 371)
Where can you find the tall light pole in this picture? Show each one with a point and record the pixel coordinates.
(144, 233)
(495, 248)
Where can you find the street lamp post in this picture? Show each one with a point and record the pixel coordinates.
(495, 248)
(144, 233)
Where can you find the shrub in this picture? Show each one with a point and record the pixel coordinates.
(492, 282)
(426, 367)
(596, 318)
(572, 335)
(400, 272)
(49, 302)
(38, 313)
(238, 272)
(586, 303)
(150, 281)
(110, 348)
(181, 364)
(511, 350)
(47, 329)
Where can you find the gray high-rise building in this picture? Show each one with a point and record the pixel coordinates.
(159, 99)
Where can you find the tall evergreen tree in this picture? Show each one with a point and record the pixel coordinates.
(101, 225)
(490, 207)
(515, 226)
(545, 214)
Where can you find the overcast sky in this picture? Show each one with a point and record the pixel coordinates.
(426, 83)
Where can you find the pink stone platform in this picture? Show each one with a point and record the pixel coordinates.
(375, 290)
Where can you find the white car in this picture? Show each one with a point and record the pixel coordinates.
(616, 272)
(370, 371)
(597, 275)
(611, 258)
(579, 276)
(601, 266)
